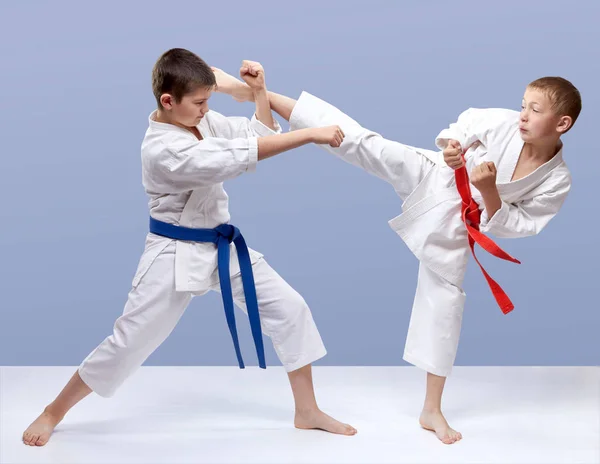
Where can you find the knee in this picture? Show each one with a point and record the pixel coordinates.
(296, 307)
(298, 321)
(130, 334)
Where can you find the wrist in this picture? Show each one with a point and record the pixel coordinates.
(258, 93)
(309, 134)
(489, 190)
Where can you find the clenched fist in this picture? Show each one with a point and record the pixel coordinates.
(253, 74)
(483, 176)
(453, 154)
(331, 135)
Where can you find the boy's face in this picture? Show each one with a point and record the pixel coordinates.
(191, 109)
(538, 121)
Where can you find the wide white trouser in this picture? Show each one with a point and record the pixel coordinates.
(436, 316)
(415, 174)
(435, 323)
(153, 309)
(438, 305)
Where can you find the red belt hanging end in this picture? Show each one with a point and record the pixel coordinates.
(471, 217)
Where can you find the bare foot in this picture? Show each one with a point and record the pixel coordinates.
(435, 421)
(317, 419)
(38, 433)
(229, 85)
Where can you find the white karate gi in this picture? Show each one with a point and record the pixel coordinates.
(183, 178)
(430, 223)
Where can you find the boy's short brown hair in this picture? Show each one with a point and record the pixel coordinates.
(565, 98)
(179, 72)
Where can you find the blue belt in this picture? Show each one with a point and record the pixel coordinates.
(222, 236)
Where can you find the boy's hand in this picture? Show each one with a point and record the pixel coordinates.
(332, 135)
(453, 154)
(229, 85)
(253, 74)
(483, 177)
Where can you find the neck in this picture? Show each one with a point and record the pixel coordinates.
(543, 151)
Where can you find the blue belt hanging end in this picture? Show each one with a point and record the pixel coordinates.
(222, 236)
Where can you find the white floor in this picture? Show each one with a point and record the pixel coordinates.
(224, 415)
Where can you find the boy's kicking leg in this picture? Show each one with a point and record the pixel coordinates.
(403, 166)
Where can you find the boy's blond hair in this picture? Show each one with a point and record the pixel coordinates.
(565, 98)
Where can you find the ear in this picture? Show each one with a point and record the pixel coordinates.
(167, 100)
(564, 124)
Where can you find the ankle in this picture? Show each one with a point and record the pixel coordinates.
(54, 411)
(307, 409)
(432, 409)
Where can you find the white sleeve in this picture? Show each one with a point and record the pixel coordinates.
(361, 147)
(184, 164)
(525, 218)
(258, 129)
(233, 127)
(474, 124)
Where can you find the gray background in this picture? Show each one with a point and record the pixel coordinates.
(75, 98)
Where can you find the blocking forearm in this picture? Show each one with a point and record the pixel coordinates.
(275, 144)
(263, 108)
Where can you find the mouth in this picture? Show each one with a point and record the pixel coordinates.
(522, 130)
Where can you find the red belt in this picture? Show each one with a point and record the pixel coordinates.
(471, 216)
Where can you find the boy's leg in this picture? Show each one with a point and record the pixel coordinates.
(431, 416)
(38, 433)
(400, 165)
(152, 311)
(287, 320)
(432, 343)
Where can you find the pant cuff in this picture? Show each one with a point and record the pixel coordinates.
(306, 360)
(96, 388)
(440, 371)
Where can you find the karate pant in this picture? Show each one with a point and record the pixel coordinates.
(435, 323)
(436, 317)
(153, 309)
